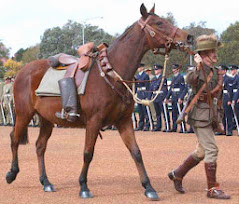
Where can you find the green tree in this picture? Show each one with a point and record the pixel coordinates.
(4, 51)
(19, 54)
(68, 38)
(229, 53)
(30, 54)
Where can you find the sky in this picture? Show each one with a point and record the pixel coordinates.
(23, 22)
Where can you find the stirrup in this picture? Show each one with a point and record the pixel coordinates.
(62, 115)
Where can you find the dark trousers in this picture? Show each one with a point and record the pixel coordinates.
(175, 115)
(228, 115)
(143, 117)
(159, 110)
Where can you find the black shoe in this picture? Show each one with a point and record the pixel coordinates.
(173, 130)
(156, 130)
(181, 131)
(229, 133)
(165, 130)
(138, 129)
(146, 129)
(218, 133)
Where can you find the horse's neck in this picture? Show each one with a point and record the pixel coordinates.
(127, 51)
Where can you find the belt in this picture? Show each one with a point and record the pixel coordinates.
(203, 98)
(141, 88)
(155, 92)
(176, 89)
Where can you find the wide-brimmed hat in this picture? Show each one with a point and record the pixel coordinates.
(207, 42)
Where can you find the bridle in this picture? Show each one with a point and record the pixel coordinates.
(153, 33)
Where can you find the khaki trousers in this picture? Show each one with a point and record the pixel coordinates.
(206, 147)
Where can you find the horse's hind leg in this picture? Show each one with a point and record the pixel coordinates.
(17, 136)
(126, 131)
(41, 144)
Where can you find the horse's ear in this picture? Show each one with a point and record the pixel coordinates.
(143, 11)
(152, 9)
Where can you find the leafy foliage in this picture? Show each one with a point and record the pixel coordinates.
(4, 51)
(229, 53)
(12, 67)
(30, 54)
(68, 38)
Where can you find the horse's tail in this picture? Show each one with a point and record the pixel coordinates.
(24, 139)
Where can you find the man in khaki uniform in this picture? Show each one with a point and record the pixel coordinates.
(1, 93)
(7, 99)
(201, 117)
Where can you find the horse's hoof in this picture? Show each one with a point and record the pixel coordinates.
(152, 195)
(49, 188)
(86, 194)
(10, 177)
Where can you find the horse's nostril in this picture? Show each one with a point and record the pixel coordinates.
(190, 39)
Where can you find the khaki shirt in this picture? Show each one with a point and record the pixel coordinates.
(7, 93)
(200, 114)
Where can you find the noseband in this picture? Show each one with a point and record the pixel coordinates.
(153, 33)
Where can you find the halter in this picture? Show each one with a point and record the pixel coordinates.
(152, 33)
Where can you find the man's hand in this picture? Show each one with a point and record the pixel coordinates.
(229, 103)
(180, 101)
(165, 101)
(197, 60)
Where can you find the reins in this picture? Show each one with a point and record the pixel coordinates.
(150, 33)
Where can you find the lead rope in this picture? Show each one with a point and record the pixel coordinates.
(145, 102)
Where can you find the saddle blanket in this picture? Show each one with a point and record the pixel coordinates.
(49, 83)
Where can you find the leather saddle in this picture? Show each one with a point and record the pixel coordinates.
(75, 67)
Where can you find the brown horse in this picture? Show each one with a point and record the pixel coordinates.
(100, 105)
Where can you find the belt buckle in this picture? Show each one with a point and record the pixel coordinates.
(201, 98)
(215, 100)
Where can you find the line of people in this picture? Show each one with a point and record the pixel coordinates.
(177, 92)
(230, 99)
(150, 118)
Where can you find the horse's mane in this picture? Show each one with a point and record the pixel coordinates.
(125, 34)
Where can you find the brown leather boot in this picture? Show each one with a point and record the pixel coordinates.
(177, 175)
(213, 187)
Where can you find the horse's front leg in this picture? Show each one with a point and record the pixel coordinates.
(92, 131)
(41, 144)
(125, 128)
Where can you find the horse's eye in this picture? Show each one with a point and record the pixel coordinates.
(159, 23)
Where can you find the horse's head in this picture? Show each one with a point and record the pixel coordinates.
(160, 33)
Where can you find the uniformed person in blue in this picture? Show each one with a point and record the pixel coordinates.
(235, 85)
(158, 102)
(176, 88)
(141, 90)
(228, 114)
(184, 94)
